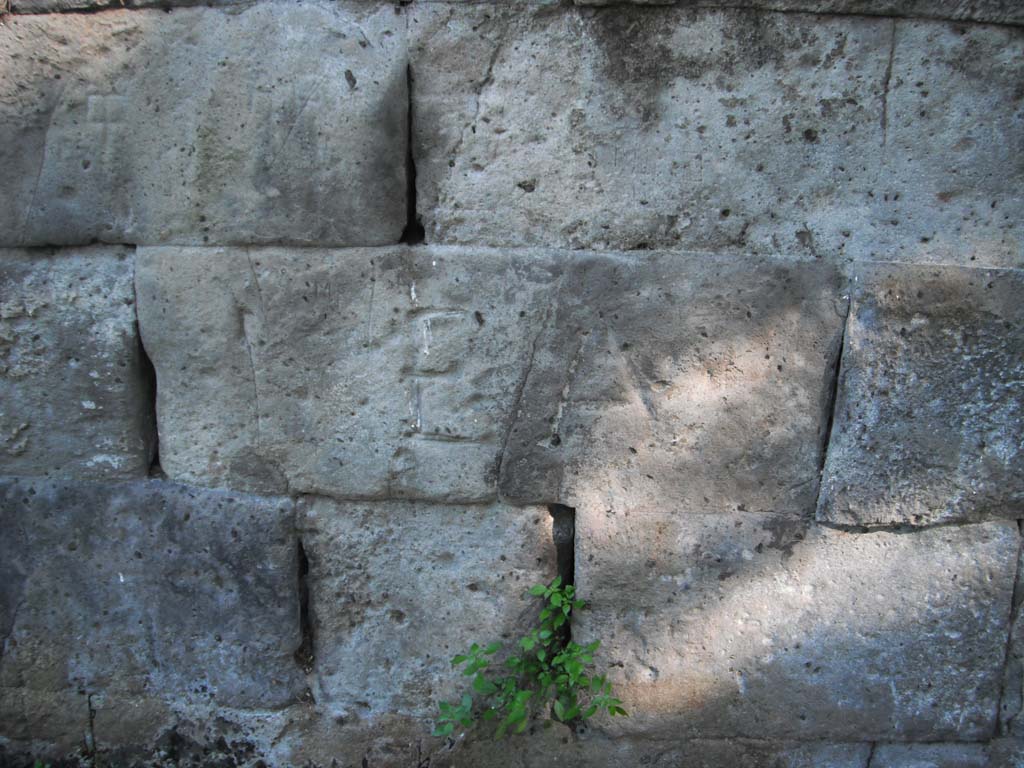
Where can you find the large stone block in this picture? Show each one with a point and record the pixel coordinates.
(75, 391)
(929, 419)
(676, 380)
(383, 373)
(755, 626)
(204, 125)
(724, 130)
(136, 598)
(398, 588)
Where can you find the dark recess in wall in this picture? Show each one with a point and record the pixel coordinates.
(414, 233)
(148, 371)
(563, 531)
(304, 654)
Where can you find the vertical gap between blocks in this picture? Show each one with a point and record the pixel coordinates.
(563, 532)
(305, 653)
(414, 233)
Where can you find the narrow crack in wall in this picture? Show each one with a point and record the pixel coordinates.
(150, 384)
(1006, 711)
(90, 734)
(871, 754)
(563, 532)
(833, 398)
(414, 233)
(305, 653)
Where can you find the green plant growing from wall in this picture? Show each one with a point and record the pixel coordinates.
(547, 674)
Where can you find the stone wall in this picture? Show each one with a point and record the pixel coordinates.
(313, 316)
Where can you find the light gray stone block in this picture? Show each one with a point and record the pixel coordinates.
(139, 599)
(398, 588)
(756, 626)
(204, 125)
(702, 385)
(75, 391)
(720, 130)
(375, 373)
(929, 419)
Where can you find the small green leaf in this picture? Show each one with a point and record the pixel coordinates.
(556, 599)
(591, 711)
(559, 710)
(482, 685)
(441, 730)
(492, 649)
(557, 582)
(458, 660)
(537, 590)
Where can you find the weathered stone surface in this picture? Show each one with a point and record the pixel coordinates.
(716, 130)
(75, 392)
(929, 421)
(138, 598)
(949, 190)
(204, 125)
(376, 373)
(932, 756)
(399, 588)
(677, 380)
(753, 626)
(993, 11)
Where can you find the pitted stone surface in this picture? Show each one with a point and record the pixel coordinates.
(949, 189)
(729, 130)
(374, 373)
(673, 379)
(757, 626)
(75, 392)
(929, 420)
(142, 591)
(204, 125)
(398, 588)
